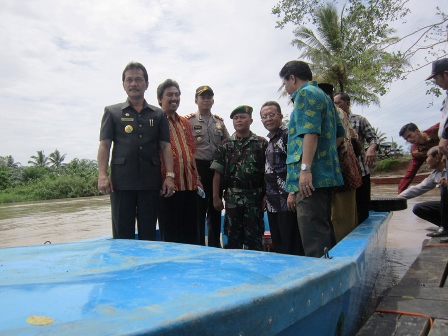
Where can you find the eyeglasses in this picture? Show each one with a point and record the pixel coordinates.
(269, 116)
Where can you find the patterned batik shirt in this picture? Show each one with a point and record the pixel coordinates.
(314, 112)
(241, 162)
(183, 149)
(275, 171)
(365, 133)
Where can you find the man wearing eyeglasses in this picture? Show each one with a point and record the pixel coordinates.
(138, 132)
(177, 214)
(315, 130)
(280, 204)
(208, 131)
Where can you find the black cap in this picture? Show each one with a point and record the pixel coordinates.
(204, 90)
(327, 88)
(438, 66)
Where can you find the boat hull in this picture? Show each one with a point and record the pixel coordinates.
(154, 288)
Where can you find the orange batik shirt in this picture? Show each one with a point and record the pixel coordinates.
(183, 148)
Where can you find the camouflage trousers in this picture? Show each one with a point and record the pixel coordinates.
(244, 226)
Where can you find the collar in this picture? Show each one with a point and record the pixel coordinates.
(252, 136)
(127, 104)
(199, 116)
(280, 129)
(309, 83)
(175, 117)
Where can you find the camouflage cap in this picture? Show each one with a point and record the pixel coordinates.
(204, 90)
(242, 109)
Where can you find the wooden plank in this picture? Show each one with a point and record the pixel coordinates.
(428, 269)
(386, 324)
(435, 309)
(427, 293)
(440, 328)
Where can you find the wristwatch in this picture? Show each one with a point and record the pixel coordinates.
(305, 167)
(170, 174)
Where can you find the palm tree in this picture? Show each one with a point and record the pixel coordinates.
(40, 160)
(341, 56)
(381, 136)
(56, 159)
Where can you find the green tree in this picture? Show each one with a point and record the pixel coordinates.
(39, 160)
(56, 159)
(83, 167)
(381, 136)
(344, 59)
(350, 51)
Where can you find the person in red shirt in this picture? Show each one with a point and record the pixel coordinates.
(421, 143)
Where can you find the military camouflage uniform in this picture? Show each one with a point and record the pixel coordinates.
(241, 163)
(208, 132)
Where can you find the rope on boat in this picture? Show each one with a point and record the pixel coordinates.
(434, 245)
(431, 320)
(47, 242)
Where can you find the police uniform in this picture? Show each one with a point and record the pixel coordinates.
(135, 166)
(241, 163)
(207, 134)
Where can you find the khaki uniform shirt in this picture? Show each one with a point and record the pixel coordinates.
(207, 136)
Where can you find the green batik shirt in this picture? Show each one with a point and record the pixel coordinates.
(314, 112)
(241, 164)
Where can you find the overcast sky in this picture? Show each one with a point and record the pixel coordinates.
(61, 63)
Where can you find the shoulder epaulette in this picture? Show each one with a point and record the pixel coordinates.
(189, 116)
(218, 117)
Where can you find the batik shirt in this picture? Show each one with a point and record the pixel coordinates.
(365, 133)
(314, 112)
(183, 149)
(275, 171)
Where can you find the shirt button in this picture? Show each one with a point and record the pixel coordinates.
(140, 135)
(141, 147)
(139, 125)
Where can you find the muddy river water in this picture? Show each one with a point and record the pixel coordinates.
(67, 220)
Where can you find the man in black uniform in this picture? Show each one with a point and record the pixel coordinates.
(208, 131)
(138, 131)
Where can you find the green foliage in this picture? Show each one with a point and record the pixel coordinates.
(52, 187)
(56, 159)
(78, 178)
(33, 173)
(350, 50)
(343, 54)
(39, 160)
(4, 178)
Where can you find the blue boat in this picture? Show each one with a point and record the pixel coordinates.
(126, 287)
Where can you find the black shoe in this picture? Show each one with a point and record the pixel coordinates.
(443, 241)
(441, 232)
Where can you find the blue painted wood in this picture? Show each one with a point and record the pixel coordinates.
(134, 287)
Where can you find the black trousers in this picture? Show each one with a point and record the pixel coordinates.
(177, 217)
(285, 233)
(363, 199)
(435, 212)
(128, 205)
(205, 208)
